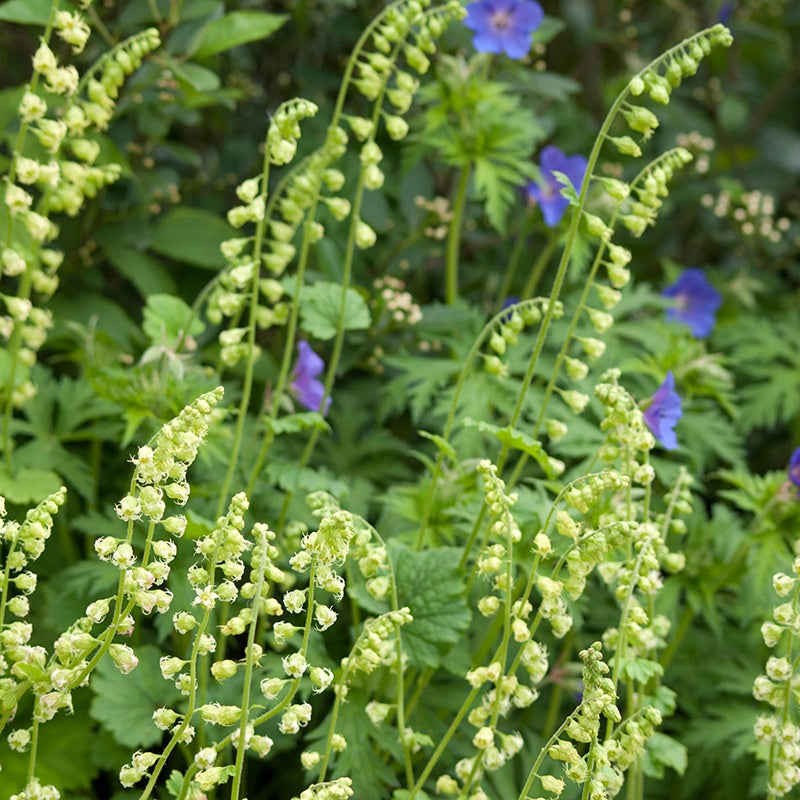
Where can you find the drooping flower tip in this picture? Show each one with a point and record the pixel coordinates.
(794, 467)
(547, 192)
(503, 26)
(305, 386)
(664, 412)
(696, 302)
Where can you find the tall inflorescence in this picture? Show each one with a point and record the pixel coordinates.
(634, 203)
(249, 295)
(777, 732)
(55, 174)
(159, 477)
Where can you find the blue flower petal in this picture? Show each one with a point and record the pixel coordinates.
(306, 388)
(548, 194)
(696, 302)
(794, 467)
(503, 26)
(664, 412)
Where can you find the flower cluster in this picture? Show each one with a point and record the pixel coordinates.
(57, 176)
(276, 223)
(752, 212)
(509, 325)
(22, 544)
(777, 735)
(160, 474)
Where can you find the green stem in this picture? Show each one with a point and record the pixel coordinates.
(248, 671)
(252, 352)
(454, 237)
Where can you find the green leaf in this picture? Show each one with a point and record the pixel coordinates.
(320, 305)
(201, 79)
(444, 446)
(295, 479)
(238, 27)
(28, 485)
(431, 585)
(147, 274)
(642, 669)
(28, 12)
(165, 320)
(124, 704)
(295, 423)
(510, 437)
(192, 236)
(664, 751)
(66, 746)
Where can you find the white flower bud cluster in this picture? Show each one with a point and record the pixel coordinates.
(375, 644)
(627, 433)
(339, 789)
(160, 473)
(36, 791)
(678, 64)
(598, 700)
(22, 543)
(56, 183)
(642, 209)
(231, 294)
(777, 687)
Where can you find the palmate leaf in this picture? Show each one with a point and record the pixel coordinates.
(664, 751)
(319, 309)
(431, 585)
(65, 746)
(124, 704)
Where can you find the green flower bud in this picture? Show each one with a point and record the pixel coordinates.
(373, 177)
(396, 127)
(400, 99)
(626, 145)
(497, 343)
(596, 226)
(365, 236)
(362, 128)
(416, 59)
(660, 92)
(576, 369)
(636, 86)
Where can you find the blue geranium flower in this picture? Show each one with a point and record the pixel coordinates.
(548, 193)
(696, 302)
(503, 26)
(664, 412)
(305, 386)
(794, 467)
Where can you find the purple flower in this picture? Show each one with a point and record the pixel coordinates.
(305, 386)
(548, 194)
(503, 26)
(794, 467)
(664, 412)
(696, 302)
